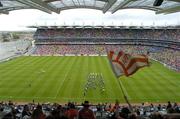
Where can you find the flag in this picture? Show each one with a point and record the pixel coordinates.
(126, 64)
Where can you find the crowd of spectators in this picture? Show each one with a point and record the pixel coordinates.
(63, 34)
(72, 110)
(70, 49)
(148, 37)
(168, 56)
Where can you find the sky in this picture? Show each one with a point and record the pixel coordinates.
(20, 19)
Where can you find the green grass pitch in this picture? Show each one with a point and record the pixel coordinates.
(62, 79)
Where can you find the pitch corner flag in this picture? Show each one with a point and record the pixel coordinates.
(126, 64)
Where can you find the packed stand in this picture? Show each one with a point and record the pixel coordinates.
(88, 111)
(70, 49)
(106, 34)
(168, 38)
(169, 57)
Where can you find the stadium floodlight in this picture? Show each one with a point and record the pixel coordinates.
(158, 2)
(1, 5)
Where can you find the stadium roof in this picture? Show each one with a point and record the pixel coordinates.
(49, 6)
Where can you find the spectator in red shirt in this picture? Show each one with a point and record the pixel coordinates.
(72, 113)
(85, 112)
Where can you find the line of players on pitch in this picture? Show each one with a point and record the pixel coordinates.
(94, 81)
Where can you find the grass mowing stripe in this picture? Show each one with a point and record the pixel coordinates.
(69, 87)
(79, 75)
(113, 88)
(65, 87)
(127, 83)
(171, 86)
(142, 88)
(154, 83)
(41, 78)
(147, 87)
(56, 75)
(87, 71)
(48, 66)
(44, 81)
(58, 93)
(12, 85)
(39, 82)
(92, 68)
(123, 88)
(109, 89)
(99, 63)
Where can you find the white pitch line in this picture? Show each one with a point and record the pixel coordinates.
(64, 80)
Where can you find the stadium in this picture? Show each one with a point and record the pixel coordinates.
(57, 71)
